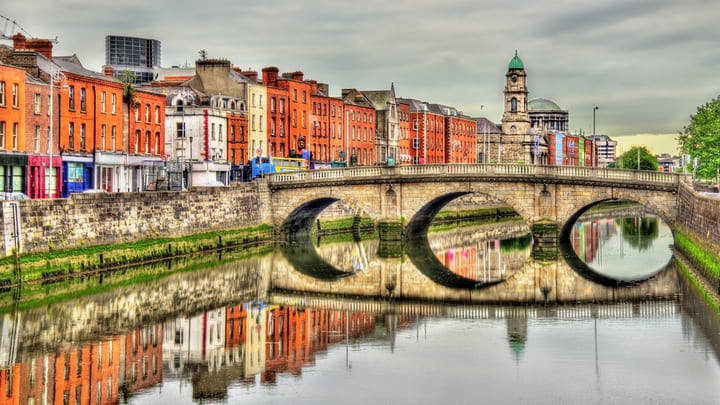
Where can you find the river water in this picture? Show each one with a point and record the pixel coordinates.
(471, 313)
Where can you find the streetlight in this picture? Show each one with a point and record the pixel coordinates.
(56, 75)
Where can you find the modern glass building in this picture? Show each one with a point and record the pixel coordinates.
(137, 55)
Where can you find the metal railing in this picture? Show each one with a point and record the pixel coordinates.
(489, 170)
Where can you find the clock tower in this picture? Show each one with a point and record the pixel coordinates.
(516, 120)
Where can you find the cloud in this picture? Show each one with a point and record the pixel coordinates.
(647, 64)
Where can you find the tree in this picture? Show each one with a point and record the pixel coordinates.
(127, 78)
(629, 159)
(701, 139)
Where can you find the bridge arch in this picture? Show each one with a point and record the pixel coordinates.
(306, 211)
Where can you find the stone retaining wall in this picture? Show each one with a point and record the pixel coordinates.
(93, 219)
(700, 215)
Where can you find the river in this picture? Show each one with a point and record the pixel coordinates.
(467, 313)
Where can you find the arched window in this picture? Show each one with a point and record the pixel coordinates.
(232, 105)
(513, 104)
(179, 104)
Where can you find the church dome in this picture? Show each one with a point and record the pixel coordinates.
(543, 104)
(516, 63)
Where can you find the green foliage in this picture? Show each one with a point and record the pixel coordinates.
(127, 78)
(629, 159)
(706, 262)
(701, 139)
(639, 232)
(699, 287)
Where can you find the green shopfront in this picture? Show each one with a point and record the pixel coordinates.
(13, 169)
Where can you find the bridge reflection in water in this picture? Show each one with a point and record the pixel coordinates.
(241, 323)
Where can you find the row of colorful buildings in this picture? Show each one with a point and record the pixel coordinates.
(66, 129)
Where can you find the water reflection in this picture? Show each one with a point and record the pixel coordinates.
(622, 247)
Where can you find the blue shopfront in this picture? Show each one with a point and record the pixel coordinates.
(77, 175)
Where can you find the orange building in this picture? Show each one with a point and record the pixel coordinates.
(143, 358)
(336, 125)
(237, 142)
(319, 122)
(298, 110)
(278, 122)
(359, 128)
(235, 326)
(90, 374)
(13, 162)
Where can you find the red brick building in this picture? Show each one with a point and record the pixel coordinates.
(319, 142)
(359, 128)
(278, 122)
(460, 138)
(237, 142)
(404, 143)
(426, 132)
(41, 181)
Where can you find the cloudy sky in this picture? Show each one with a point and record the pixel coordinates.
(646, 64)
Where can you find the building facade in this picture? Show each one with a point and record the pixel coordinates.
(386, 123)
(136, 55)
(546, 115)
(277, 113)
(13, 160)
(360, 136)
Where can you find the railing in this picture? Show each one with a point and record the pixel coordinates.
(445, 170)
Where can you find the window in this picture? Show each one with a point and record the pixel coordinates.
(157, 114)
(15, 136)
(416, 143)
(295, 95)
(232, 133)
(15, 96)
(147, 142)
(304, 94)
(137, 140)
(112, 138)
(212, 131)
(303, 120)
(147, 113)
(82, 136)
(261, 101)
(37, 103)
(102, 136)
(2, 93)
(282, 106)
(272, 104)
(71, 136)
(157, 143)
(180, 129)
(82, 100)
(102, 101)
(261, 123)
(415, 124)
(513, 104)
(253, 122)
(294, 123)
(37, 138)
(2, 134)
(220, 131)
(137, 115)
(112, 102)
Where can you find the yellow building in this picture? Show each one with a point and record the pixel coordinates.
(257, 120)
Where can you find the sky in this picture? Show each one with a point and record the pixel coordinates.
(646, 64)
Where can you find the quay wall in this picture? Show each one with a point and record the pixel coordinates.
(106, 218)
(699, 215)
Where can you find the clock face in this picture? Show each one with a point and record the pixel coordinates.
(513, 78)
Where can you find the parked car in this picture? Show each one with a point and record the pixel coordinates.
(13, 195)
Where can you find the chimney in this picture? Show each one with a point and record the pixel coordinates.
(251, 74)
(297, 75)
(18, 42)
(270, 76)
(109, 71)
(41, 46)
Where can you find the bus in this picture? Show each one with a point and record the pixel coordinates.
(262, 165)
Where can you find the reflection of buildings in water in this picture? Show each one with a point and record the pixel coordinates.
(143, 358)
(88, 374)
(484, 260)
(189, 341)
(588, 237)
(348, 256)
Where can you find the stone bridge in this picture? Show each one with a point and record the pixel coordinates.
(414, 194)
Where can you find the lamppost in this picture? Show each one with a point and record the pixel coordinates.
(56, 75)
(594, 141)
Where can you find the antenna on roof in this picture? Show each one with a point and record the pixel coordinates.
(15, 27)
